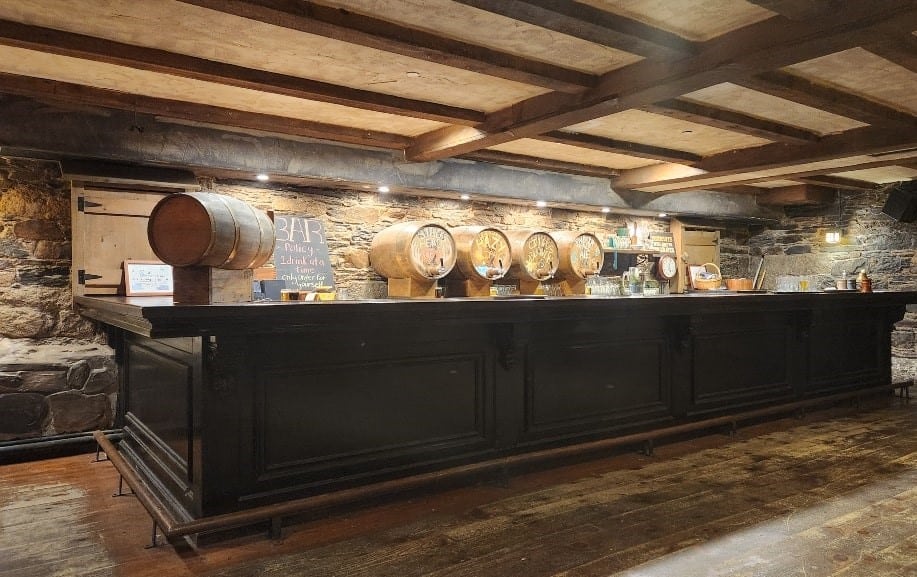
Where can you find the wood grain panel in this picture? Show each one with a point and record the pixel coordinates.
(733, 97)
(123, 79)
(483, 28)
(665, 132)
(697, 20)
(863, 73)
(568, 153)
(204, 33)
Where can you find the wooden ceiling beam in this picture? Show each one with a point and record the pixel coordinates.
(837, 182)
(587, 23)
(796, 195)
(867, 147)
(795, 9)
(536, 163)
(593, 142)
(757, 48)
(902, 51)
(87, 97)
(731, 120)
(379, 34)
(151, 59)
(804, 91)
(868, 140)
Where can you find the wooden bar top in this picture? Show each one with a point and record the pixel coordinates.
(160, 317)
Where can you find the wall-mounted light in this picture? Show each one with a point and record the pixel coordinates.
(833, 235)
(606, 210)
(465, 197)
(262, 177)
(662, 215)
(384, 188)
(541, 204)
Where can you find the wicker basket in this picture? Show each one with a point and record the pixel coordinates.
(709, 284)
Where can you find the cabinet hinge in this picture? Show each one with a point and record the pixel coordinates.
(82, 204)
(82, 276)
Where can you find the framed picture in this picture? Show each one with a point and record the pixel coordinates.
(147, 278)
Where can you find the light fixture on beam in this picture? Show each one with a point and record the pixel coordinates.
(541, 204)
(384, 189)
(262, 177)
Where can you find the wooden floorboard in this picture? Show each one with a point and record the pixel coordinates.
(832, 495)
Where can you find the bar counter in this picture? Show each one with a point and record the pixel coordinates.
(230, 407)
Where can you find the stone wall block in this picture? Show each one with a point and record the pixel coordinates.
(71, 324)
(78, 374)
(38, 229)
(101, 381)
(22, 415)
(11, 380)
(11, 248)
(51, 250)
(47, 274)
(24, 323)
(44, 381)
(74, 412)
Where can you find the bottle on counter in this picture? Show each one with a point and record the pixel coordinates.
(864, 282)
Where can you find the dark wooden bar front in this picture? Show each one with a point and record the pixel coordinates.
(229, 407)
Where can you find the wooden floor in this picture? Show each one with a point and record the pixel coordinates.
(834, 493)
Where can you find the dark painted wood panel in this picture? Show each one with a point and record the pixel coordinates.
(159, 390)
(856, 338)
(740, 359)
(585, 384)
(348, 415)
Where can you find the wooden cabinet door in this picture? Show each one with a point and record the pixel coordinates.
(109, 227)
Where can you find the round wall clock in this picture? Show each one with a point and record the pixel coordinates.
(667, 267)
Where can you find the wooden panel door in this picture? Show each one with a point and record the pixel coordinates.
(109, 227)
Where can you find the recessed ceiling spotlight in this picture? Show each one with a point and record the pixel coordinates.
(412, 74)
(662, 215)
(605, 209)
(465, 197)
(687, 132)
(541, 204)
(262, 177)
(384, 188)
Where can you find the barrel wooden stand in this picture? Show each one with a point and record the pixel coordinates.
(411, 288)
(468, 287)
(204, 285)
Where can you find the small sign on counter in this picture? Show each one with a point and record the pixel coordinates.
(301, 253)
(147, 278)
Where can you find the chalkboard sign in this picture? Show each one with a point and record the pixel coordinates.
(301, 252)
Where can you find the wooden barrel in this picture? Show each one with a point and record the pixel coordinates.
(483, 253)
(535, 255)
(581, 254)
(207, 229)
(419, 250)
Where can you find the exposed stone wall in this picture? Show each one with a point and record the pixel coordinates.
(56, 376)
(352, 219)
(870, 240)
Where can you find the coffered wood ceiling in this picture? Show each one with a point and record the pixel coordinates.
(657, 95)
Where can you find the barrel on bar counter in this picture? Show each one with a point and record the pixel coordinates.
(213, 230)
(413, 256)
(482, 252)
(581, 253)
(581, 256)
(483, 256)
(535, 258)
